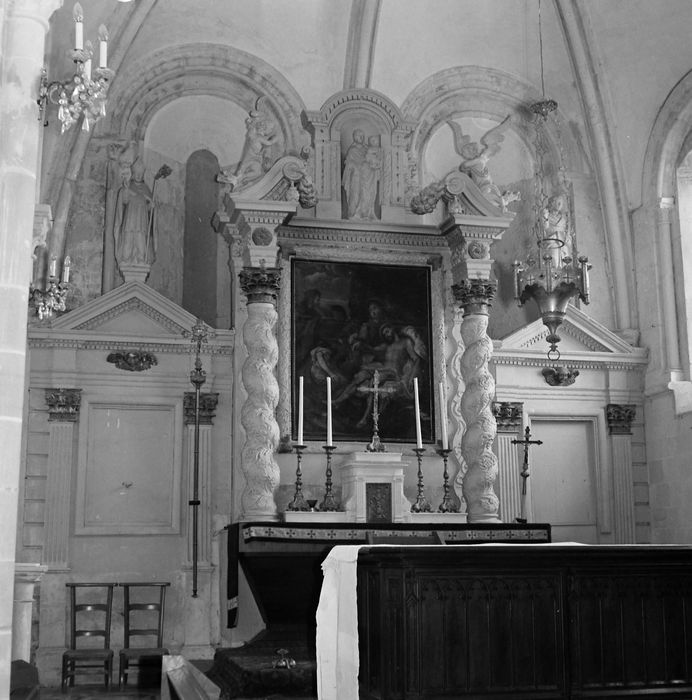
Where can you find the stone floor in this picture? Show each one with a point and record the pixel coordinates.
(87, 692)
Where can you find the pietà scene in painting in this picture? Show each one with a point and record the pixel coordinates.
(283, 282)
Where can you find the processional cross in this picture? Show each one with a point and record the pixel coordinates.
(526, 442)
(376, 445)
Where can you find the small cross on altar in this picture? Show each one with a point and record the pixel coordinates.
(526, 442)
(376, 445)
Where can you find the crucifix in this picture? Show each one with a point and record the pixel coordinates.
(526, 442)
(376, 445)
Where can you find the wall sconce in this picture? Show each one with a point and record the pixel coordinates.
(557, 273)
(51, 300)
(82, 94)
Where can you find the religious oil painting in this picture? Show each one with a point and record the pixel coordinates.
(367, 327)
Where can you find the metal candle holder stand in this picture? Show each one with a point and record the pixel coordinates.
(420, 505)
(329, 503)
(447, 505)
(298, 502)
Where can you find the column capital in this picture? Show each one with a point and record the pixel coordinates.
(475, 296)
(63, 404)
(207, 407)
(620, 417)
(508, 415)
(261, 284)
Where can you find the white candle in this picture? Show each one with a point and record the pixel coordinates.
(329, 411)
(78, 16)
(103, 46)
(53, 267)
(66, 269)
(300, 410)
(87, 63)
(419, 437)
(443, 418)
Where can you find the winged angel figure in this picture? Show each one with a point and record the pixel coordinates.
(476, 157)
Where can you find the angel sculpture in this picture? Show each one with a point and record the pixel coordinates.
(477, 155)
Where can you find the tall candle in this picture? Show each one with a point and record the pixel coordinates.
(78, 16)
(329, 411)
(443, 418)
(66, 269)
(87, 63)
(53, 267)
(300, 410)
(419, 437)
(103, 46)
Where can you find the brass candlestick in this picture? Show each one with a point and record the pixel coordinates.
(329, 502)
(298, 502)
(447, 505)
(420, 505)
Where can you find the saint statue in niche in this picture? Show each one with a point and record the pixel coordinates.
(134, 229)
(362, 176)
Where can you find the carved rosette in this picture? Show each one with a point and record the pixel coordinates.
(476, 403)
(63, 404)
(258, 412)
(260, 284)
(620, 417)
(207, 407)
(508, 415)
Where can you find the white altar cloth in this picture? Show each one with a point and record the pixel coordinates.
(337, 626)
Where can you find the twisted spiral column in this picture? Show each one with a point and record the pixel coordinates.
(257, 416)
(475, 297)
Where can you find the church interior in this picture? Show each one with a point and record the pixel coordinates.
(279, 276)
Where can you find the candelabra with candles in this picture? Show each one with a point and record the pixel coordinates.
(83, 94)
(51, 300)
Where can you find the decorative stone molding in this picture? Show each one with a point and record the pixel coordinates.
(620, 417)
(508, 415)
(63, 404)
(133, 360)
(261, 285)
(208, 402)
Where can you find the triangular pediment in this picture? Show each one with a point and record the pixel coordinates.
(133, 309)
(579, 333)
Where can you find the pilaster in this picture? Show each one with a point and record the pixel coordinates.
(620, 417)
(509, 419)
(63, 414)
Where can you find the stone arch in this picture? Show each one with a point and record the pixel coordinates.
(193, 69)
(669, 141)
(479, 92)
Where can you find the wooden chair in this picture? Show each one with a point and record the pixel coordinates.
(143, 619)
(89, 618)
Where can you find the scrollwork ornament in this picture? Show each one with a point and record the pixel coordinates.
(133, 360)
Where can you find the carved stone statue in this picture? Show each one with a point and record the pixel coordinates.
(476, 156)
(133, 229)
(555, 220)
(260, 152)
(362, 175)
